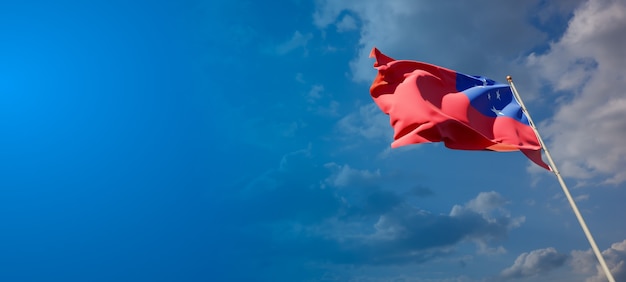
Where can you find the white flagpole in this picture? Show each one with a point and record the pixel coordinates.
(592, 242)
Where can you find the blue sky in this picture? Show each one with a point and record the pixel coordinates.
(237, 141)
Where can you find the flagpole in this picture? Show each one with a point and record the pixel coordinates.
(592, 242)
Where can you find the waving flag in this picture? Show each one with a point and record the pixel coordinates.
(428, 103)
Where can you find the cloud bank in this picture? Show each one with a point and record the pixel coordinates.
(586, 132)
(337, 214)
(534, 263)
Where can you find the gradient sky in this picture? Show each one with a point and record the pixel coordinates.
(237, 141)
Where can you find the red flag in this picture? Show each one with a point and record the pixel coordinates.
(428, 103)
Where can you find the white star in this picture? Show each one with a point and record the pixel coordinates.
(489, 96)
(498, 94)
(497, 112)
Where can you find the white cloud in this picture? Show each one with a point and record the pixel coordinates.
(404, 29)
(321, 103)
(615, 257)
(389, 152)
(586, 134)
(298, 40)
(267, 181)
(405, 234)
(535, 263)
(344, 175)
(300, 78)
(347, 23)
(369, 123)
(485, 202)
(294, 158)
(315, 93)
(382, 228)
(490, 207)
(581, 198)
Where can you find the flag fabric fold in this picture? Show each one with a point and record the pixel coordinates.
(428, 103)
